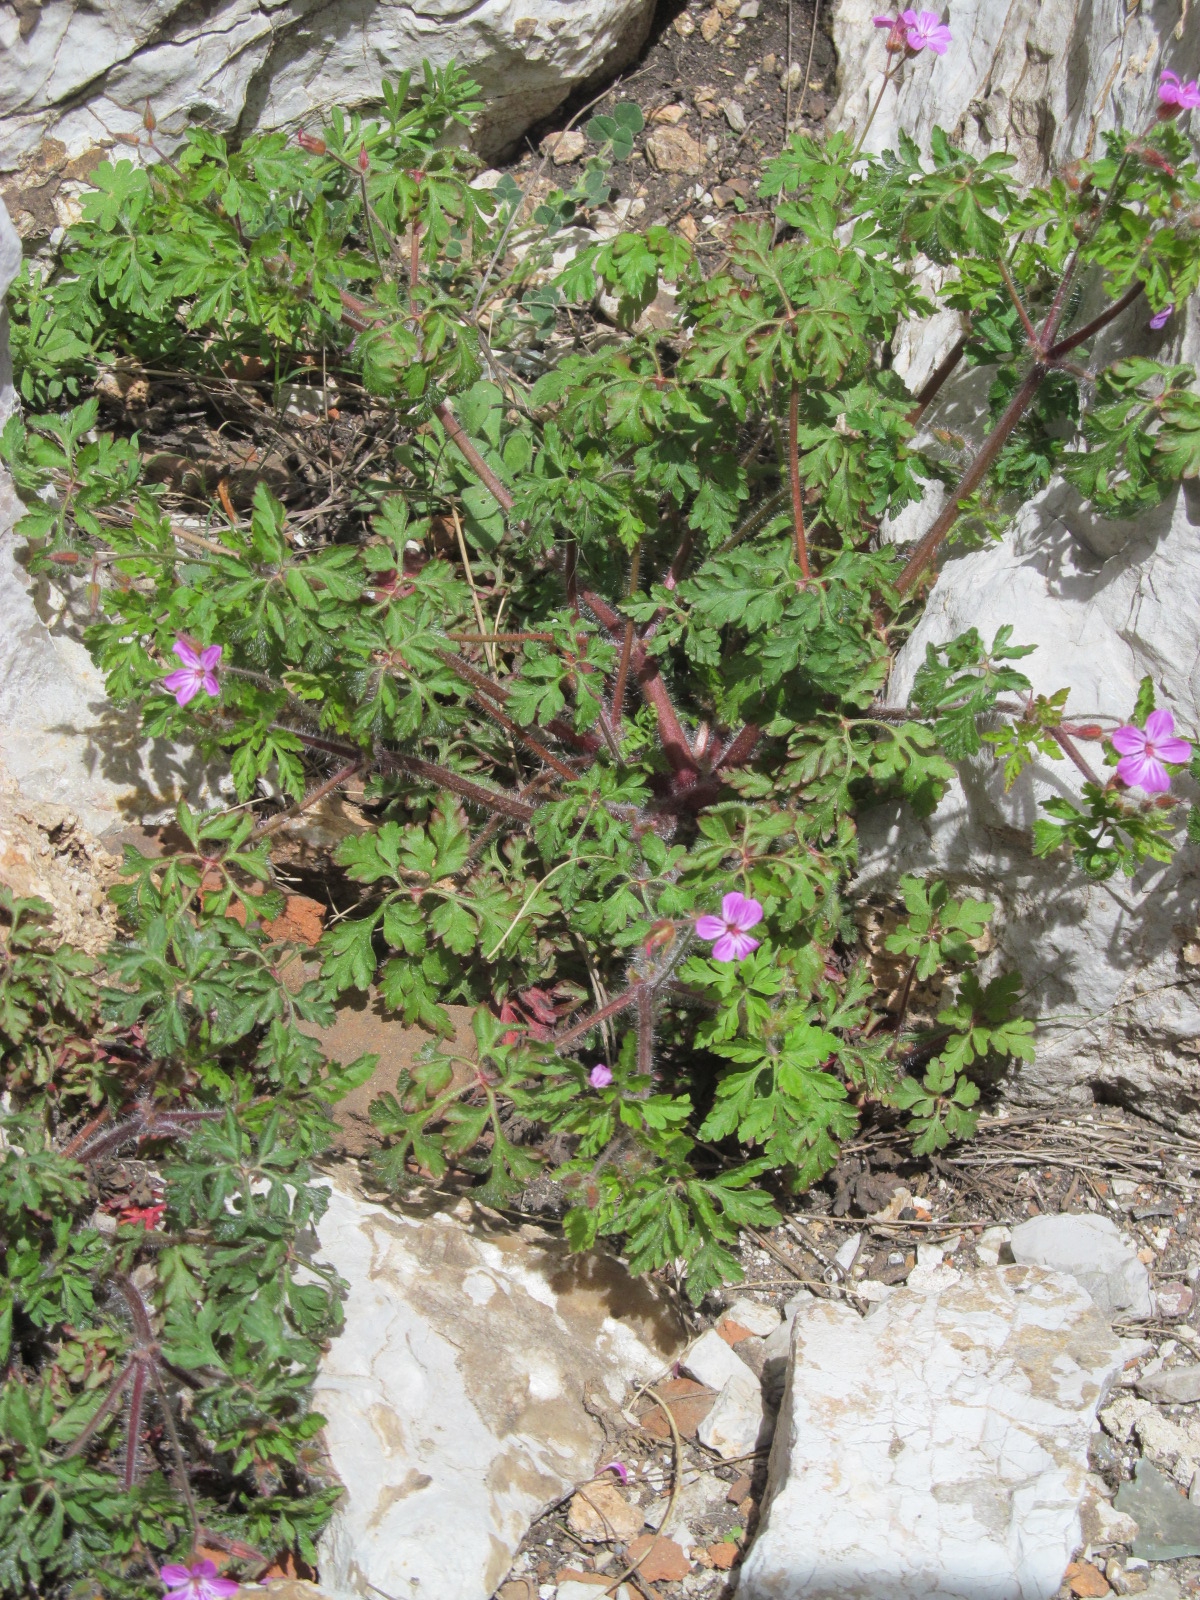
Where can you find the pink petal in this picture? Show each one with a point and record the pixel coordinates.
(185, 653)
(733, 947)
(174, 1575)
(1128, 741)
(218, 1588)
(600, 1077)
(210, 655)
(204, 1569)
(1143, 772)
(884, 22)
(618, 1467)
(211, 686)
(184, 685)
(1158, 725)
(909, 18)
(740, 910)
(1172, 750)
(710, 927)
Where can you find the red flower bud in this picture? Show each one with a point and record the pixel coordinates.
(364, 160)
(148, 120)
(314, 146)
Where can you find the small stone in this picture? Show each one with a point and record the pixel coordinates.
(674, 150)
(739, 1489)
(1121, 1580)
(791, 78)
(564, 147)
(1179, 1386)
(722, 1556)
(517, 1589)
(1173, 1300)
(768, 63)
(710, 25)
(666, 1562)
(669, 116)
(684, 25)
(1086, 1581)
(735, 115)
(723, 196)
(1168, 1525)
(1119, 1418)
(1100, 1522)
(600, 1513)
(990, 1245)
(710, 1361)
(1092, 1251)
(1175, 1449)
(689, 230)
(752, 1314)
(689, 1403)
(848, 1252)
(748, 12)
(736, 1424)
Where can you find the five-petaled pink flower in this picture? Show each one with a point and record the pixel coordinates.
(1161, 318)
(195, 1583)
(1174, 96)
(600, 1077)
(1143, 751)
(921, 30)
(199, 671)
(739, 913)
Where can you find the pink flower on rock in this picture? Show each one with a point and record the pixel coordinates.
(1161, 318)
(199, 671)
(739, 913)
(600, 1077)
(1143, 751)
(922, 30)
(1174, 96)
(199, 1582)
(619, 1467)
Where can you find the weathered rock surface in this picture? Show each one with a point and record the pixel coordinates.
(1168, 1523)
(455, 1399)
(45, 851)
(1108, 967)
(937, 1447)
(74, 76)
(1090, 1249)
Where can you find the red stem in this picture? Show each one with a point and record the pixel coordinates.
(475, 461)
(794, 480)
(612, 1009)
(1065, 346)
(936, 379)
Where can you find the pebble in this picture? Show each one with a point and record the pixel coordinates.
(674, 150)
(1168, 1525)
(735, 115)
(990, 1245)
(684, 25)
(736, 1425)
(760, 1319)
(1093, 1252)
(710, 25)
(565, 147)
(666, 1562)
(600, 1513)
(1179, 1386)
(1173, 1300)
(1086, 1581)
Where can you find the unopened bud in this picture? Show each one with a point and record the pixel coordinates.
(307, 141)
(65, 558)
(660, 935)
(1090, 730)
(148, 119)
(364, 160)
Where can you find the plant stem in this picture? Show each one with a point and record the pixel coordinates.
(1065, 346)
(794, 479)
(627, 997)
(936, 379)
(1071, 750)
(474, 460)
(984, 460)
(313, 798)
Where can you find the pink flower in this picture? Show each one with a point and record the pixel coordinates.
(199, 671)
(922, 30)
(195, 1583)
(600, 1077)
(1143, 751)
(733, 943)
(1161, 318)
(618, 1467)
(1178, 96)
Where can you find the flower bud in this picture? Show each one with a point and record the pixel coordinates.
(307, 141)
(148, 119)
(364, 160)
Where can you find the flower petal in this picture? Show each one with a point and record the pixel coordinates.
(210, 655)
(884, 22)
(710, 927)
(185, 653)
(184, 685)
(741, 910)
(1159, 725)
(600, 1076)
(218, 1588)
(726, 947)
(1143, 772)
(743, 945)
(174, 1575)
(1128, 741)
(1173, 750)
(211, 686)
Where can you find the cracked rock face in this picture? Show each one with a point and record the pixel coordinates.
(468, 1390)
(935, 1449)
(1110, 969)
(75, 77)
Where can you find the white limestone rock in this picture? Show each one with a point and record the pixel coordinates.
(1108, 967)
(1093, 1252)
(454, 1399)
(76, 76)
(737, 1423)
(937, 1447)
(712, 1362)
